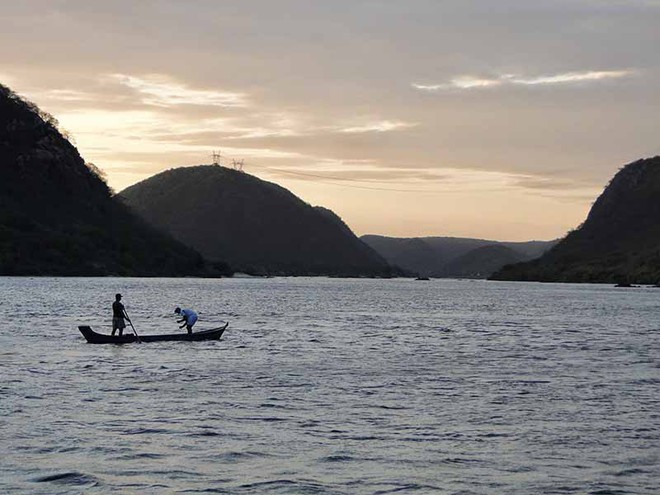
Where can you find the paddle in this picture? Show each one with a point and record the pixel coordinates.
(134, 331)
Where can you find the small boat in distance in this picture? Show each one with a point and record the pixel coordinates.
(99, 338)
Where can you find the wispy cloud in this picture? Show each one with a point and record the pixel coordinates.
(162, 91)
(463, 82)
(143, 131)
(553, 184)
(65, 95)
(573, 77)
(380, 126)
(472, 82)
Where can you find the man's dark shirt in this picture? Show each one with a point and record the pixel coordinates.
(117, 309)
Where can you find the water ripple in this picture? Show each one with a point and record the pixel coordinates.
(68, 478)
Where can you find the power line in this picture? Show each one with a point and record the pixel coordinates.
(328, 178)
(238, 165)
(347, 179)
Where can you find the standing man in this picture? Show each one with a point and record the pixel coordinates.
(118, 316)
(188, 318)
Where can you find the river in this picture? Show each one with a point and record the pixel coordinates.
(331, 386)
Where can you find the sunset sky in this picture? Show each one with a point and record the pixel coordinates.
(499, 119)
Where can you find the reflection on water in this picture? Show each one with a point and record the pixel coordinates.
(331, 386)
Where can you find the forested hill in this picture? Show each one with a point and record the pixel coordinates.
(57, 215)
(257, 226)
(619, 242)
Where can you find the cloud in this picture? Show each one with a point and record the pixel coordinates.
(67, 95)
(573, 77)
(556, 184)
(438, 179)
(380, 126)
(108, 137)
(363, 171)
(161, 91)
(472, 82)
(463, 82)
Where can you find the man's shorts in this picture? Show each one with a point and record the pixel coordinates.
(118, 323)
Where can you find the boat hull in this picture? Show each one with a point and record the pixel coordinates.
(99, 338)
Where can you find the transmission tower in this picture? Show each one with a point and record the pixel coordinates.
(238, 165)
(216, 157)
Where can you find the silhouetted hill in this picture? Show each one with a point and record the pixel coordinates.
(618, 242)
(481, 262)
(413, 255)
(453, 256)
(257, 226)
(57, 216)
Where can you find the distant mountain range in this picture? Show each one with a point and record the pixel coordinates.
(58, 217)
(453, 256)
(256, 226)
(619, 242)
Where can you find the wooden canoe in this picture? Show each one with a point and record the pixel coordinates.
(99, 338)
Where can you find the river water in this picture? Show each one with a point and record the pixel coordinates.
(329, 386)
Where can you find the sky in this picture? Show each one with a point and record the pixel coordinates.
(496, 119)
